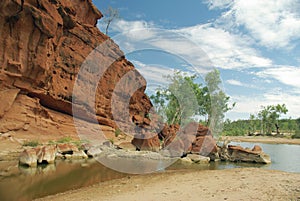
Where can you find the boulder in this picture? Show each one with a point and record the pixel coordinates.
(240, 154)
(196, 129)
(257, 148)
(196, 158)
(46, 154)
(173, 140)
(204, 145)
(176, 148)
(192, 138)
(186, 160)
(76, 155)
(94, 152)
(168, 132)
(66, 148)
(127, 146)
(146, 141)
(28, 157)
(108, 144)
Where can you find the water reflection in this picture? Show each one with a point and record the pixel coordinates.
(22, 184)
(29, 183)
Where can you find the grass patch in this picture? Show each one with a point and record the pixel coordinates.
(32, 143)
(65, 140)
(69, 140)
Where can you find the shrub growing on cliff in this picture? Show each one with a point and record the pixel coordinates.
(32, 143)
(65, 140)
(118, 132)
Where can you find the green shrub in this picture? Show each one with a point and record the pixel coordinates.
(111, 140)
(32, 143)
(118, 132)
(296, 135)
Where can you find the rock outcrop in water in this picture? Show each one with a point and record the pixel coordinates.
(43, 44)
(235, 153)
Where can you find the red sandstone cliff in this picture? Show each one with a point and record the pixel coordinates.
(43, 44)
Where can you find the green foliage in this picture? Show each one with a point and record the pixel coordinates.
(298, 123)
(269, 116)
(296, 135)
(68, 140)
(111, 140)
(118, 132)
(65, 140)
(235, 128)
(184, 98)
(251, 126)
(216, 101)
(179, 101)
(32, 143)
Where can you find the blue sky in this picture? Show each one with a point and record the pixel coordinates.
(255, 45)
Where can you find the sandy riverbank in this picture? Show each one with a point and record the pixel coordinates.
(230, 184)
(262, 139)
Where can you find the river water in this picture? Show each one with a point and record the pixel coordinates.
(22, 184)
(285, 157)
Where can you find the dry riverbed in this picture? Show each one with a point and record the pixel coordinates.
(230, 184)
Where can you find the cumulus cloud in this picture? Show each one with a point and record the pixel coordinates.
(288, 75)
(138, 29)
(234, 82)
(153, 73)
(226, 50)
(203, 45)
(274, 24)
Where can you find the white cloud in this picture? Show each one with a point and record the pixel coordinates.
(246, 105)
(213, 4)
(138, 30)
(274, 23)
(154, 74)
(226, 50)
(287, 75)
(234, 82)
(203, 46)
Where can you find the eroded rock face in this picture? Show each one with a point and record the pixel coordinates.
(46, 154)
(66, 148)
(146, 141)
(236, 153)
(28, 157)
(193, 138)
(43, 44)
(240, 154)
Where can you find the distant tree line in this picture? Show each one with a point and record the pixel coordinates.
(266, 122)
